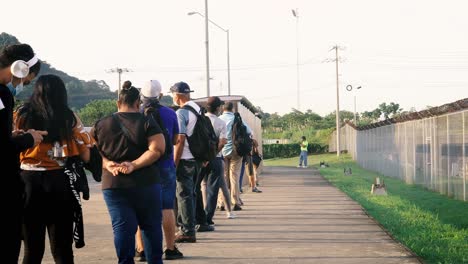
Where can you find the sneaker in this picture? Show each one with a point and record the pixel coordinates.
(173, 254)
(305, 167)
(140, 256)
(221, 208)
(256, 190)
(231, 215)
(299, 166)
(205, 228)
(182, 238)
(236, 208)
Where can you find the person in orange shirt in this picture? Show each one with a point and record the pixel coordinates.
(49, 200)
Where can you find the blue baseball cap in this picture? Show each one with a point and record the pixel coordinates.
(181, 87)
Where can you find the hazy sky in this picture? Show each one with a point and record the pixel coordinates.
(410, 52)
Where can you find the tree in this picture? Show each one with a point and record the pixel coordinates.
(96, 110)
(390, 109)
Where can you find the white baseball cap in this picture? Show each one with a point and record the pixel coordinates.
(151, 88)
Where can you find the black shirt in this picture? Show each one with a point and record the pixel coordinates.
(10, 146)
(116, 146)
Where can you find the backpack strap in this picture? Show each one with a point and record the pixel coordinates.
(124, 130)
(191, 109)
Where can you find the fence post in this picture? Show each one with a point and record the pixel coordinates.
(448, 157)
(463, 153)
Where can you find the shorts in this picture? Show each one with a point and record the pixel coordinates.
(168, 183)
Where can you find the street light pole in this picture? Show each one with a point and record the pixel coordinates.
(227, 41)
(207, 51)
(296, 15)
(228, 65)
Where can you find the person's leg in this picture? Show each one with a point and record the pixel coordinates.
(186, 196)
(11, 236)
(305, 158)
(140, 246)
(168, 185)
(234, 169)
(200, 214)
(34, 221)
(148, 206)
(124, 223)
(213, 181)
(301, 157)
(241, 176)
(61, 203)
(224, 195)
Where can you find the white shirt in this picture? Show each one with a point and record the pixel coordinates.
(187, 120)
(219, 128)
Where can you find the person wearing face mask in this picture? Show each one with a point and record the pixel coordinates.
(18, 66)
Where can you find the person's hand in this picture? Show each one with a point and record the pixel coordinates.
(17, 132)
(126, 167)
(38, 135)
(205, 163)
(112, 167)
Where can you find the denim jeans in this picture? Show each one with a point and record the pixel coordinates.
(186, 177)
(132, 207)
(303, 158)
(213, 183)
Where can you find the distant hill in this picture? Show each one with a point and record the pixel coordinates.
(80, 92)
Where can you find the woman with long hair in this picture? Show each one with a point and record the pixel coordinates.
(49, 200)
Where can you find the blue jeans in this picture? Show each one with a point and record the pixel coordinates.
(241, 178)
(186, 178)
(168, 183)
(303, 158)
(132, 207)
(213, 183)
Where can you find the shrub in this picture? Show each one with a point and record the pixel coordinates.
(290, 150)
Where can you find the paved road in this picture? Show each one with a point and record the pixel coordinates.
(299, 218)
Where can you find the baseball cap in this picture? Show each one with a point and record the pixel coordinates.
(214, 101)
(180, 87)
(151, 88)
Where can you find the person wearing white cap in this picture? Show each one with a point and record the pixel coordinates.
(18, 66)
(167, 120)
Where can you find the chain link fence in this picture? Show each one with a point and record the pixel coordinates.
(430, 152)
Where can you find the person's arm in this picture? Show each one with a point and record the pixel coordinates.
(222, 137)
(156, 146)
(179, 148)
(182, 120)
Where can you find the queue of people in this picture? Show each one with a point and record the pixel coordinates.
(152, 184)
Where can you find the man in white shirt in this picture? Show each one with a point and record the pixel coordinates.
(187, 168)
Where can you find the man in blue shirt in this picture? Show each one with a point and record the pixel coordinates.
(151, 93)
(233, 161)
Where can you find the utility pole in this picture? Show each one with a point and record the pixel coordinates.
(119, 71)
(296, 15)
(338, 141)
(207, 51)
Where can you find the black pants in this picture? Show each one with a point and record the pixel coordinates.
(12, 216)
(200, 208)
(48, 206)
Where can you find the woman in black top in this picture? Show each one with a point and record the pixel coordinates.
(130, 145)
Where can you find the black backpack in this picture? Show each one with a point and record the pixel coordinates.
(240, 138)
(203, 143)
(153, 110)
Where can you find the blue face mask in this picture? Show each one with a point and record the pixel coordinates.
(15, 91)
(12, 88)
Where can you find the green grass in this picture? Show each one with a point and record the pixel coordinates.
(433, 226)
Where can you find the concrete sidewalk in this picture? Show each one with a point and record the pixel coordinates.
(299, 218)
